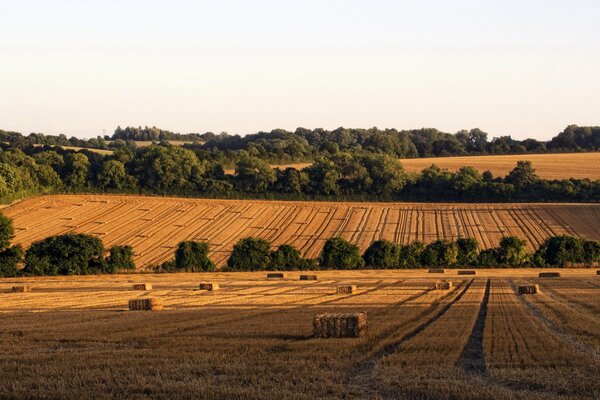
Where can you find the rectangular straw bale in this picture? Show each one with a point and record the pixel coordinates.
(21, 289)
(443, 285)
(529, 289)
(598, 272)
(147, 304)
(210, 286)
(346, 289)
(276, 275)
(436, 271)
(142, 286)
(549, 275)
(349, 325)
(308, 277)
(467, 272)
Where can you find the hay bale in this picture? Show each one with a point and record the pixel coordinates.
(142, 286)
(443, 285)
(147, 304)
(436, 271)
(209, 286)
(350, 325)
(549, 275)
(529, 289)
(308, 277)
(346, 289)
(467, 272)
(598, 272)
(275, 275)
(21, 289)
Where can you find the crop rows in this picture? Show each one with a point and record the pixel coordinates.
(154, 226)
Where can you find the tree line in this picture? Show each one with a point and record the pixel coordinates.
(172, 170)
(80, 254)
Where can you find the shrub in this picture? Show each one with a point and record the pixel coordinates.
(193, 257)
(560, 250)
(289, 258)
(68, 254)
(488, 258)
(9, 261)
(512, 251)
(468, 251)
(591, 251)
(440, 252)
(119, 258)
(382, 254)
(7, 232)
(250, 254)
(338, 253)
(410, 255)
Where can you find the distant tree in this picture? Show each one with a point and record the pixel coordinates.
(69, 254)
(287, 257)
(253, 175)
(193, 257)
(323, 177)
(523, 175)
(250, 254)
(77, 168)
(488, 258)
(382, 254)
(10, 259)
(7, 232)
(120, 258)
(411, 254)
(338, 253)
(440, 253)
(512, 251)
(112, 175)
(468, 251)
(560, 250)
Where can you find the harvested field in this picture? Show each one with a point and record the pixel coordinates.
(154, 226)
(549, 166)
(72, 336)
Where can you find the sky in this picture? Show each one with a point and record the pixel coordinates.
(524, 68)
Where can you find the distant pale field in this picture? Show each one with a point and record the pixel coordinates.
(73, 337)
(154, 225)
(549, 166)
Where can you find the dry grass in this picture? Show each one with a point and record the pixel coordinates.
(73, 335)
(154, 226)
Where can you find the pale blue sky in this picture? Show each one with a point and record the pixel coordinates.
(526, 68)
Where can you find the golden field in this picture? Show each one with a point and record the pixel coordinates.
(548, 166)
(73, 337)
(154, 226)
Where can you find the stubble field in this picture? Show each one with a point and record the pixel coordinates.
(73, 336)
(154, 226)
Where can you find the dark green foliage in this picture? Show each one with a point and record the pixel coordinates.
(440, 253)
(591, 251)
(287, 257)
(338, 253)
(382, 254)
(512, 251)
(9, 261)
(488, 258)
(250, 254)
(7, 232)
(120, 258)
(411, 254)
(253, 175)
(69, 254)
(560, 250)
(193, 257)
(468, 251)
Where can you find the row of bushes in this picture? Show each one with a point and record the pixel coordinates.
(80, 254)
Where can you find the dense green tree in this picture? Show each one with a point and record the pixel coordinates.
(77, 167)
(69, 254)
(168, 168)
(323, 177)
(250, 254)
(382, 254)
(10, 259)
(488, 258)
(523, 175)
(560, 250)
(411, 255)
(440, 253)
(512, 251)
(120, 258)
(338, 253)
(7, 232)
(193, 257)
(112, 175)
(468, 251)
(287, 257)
(253, 175)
